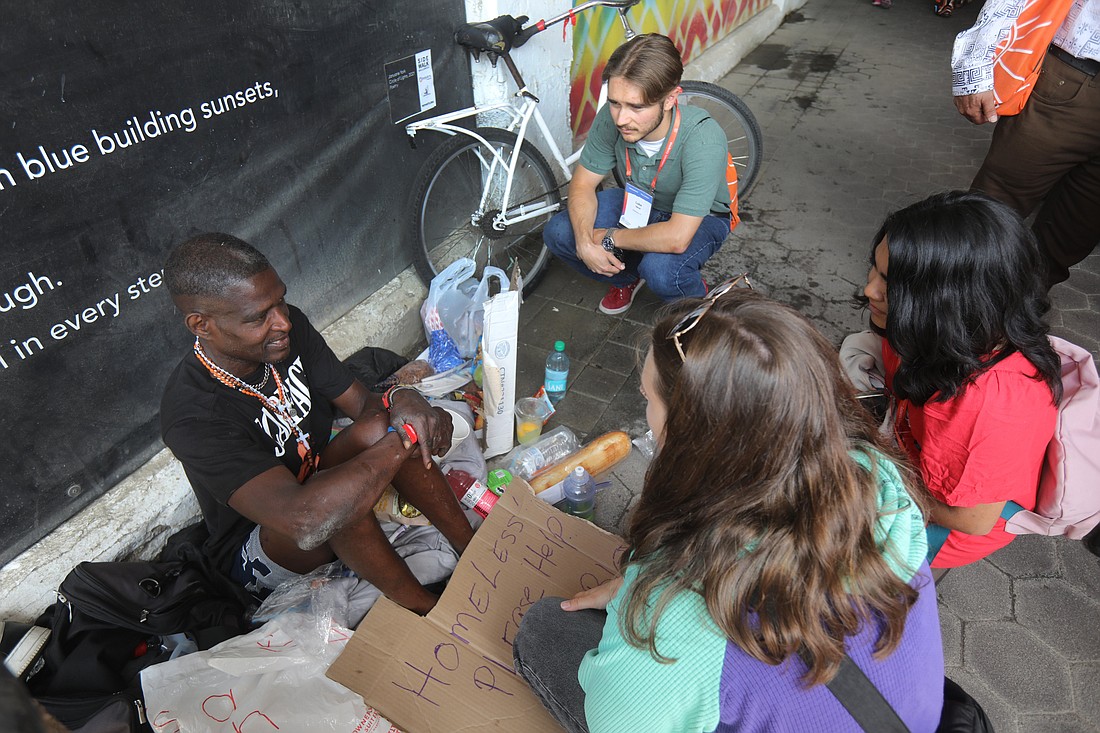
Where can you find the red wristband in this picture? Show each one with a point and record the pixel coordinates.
(387, 396)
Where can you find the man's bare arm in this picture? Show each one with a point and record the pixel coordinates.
(582, 215)
(310, 513)
(432, 425)
(672, 236)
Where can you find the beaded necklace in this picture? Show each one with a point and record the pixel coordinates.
(279, 403)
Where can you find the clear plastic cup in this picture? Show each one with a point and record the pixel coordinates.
(530, 412)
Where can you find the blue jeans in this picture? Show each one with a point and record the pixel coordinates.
(547, 652)
(670, 276)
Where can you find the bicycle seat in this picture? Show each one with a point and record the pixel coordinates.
(496, 36)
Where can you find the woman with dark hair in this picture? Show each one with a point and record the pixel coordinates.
(955, 291)
(773, 536)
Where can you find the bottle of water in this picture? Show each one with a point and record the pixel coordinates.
(546, 451)
(557, 372)
(580, 494)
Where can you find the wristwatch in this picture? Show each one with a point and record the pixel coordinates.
(609, 245)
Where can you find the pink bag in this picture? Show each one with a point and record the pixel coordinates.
(1069, 484)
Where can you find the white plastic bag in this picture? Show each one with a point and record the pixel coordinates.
(453, 313)
(499, 370)
(273, 678)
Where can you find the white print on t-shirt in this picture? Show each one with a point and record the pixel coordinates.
(298, 393)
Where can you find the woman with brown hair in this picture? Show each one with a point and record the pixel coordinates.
(774, 535)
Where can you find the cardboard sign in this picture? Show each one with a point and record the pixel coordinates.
(452, 670)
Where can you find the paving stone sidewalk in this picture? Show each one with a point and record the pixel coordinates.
(855, 107)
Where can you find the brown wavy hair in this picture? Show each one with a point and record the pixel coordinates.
(651, 61)
(753, 499)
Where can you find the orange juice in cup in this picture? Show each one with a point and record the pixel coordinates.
(528, 432)
(530, 413)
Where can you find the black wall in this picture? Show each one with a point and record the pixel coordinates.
(310, 168)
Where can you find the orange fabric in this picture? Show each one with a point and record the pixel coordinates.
(1019, 57)
(731, 183)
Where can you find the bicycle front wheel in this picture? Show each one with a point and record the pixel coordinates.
(746, 144)
(458, 195)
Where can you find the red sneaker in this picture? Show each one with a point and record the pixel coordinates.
(618, 300)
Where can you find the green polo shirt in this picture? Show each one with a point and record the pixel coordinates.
(693, 179)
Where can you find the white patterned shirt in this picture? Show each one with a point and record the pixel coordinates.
(972, 58)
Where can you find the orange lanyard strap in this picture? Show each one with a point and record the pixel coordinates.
(668, 149)
(281, 406)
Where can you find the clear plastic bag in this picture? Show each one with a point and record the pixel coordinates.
(646, 445)
(454, 312)
(321, 595)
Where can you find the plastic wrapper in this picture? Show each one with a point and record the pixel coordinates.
(646, 445)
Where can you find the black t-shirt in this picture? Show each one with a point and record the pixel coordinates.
(225, 438)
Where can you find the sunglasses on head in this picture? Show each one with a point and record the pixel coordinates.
(691, 320)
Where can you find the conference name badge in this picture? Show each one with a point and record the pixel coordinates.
(636, 207)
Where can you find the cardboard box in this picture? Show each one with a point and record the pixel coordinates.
(452, 670)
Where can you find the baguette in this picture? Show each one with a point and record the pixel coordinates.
(597, 457)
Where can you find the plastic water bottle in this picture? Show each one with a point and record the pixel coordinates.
(548, 450)
(580, 494)
(557, 372)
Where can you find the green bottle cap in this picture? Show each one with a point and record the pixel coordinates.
(559, 346)
(498, 479)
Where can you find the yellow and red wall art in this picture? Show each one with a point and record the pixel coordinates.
(693, 25)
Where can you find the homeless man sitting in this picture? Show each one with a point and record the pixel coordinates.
(249, 415)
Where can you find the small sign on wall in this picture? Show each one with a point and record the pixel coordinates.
(410, 84)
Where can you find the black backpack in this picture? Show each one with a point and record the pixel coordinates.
(107, 626)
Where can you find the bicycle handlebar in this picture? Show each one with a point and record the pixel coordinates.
(501, 34)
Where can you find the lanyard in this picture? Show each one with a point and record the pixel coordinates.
(668, 149)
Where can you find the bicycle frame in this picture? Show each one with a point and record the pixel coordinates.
(519, 120)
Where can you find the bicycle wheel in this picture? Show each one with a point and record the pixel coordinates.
(746, 144)
(450, 220)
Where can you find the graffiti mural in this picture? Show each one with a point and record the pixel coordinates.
(693, 25)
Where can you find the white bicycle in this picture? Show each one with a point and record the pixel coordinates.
(488, 191)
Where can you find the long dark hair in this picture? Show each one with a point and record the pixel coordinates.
(964, 291)
(754, 499)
